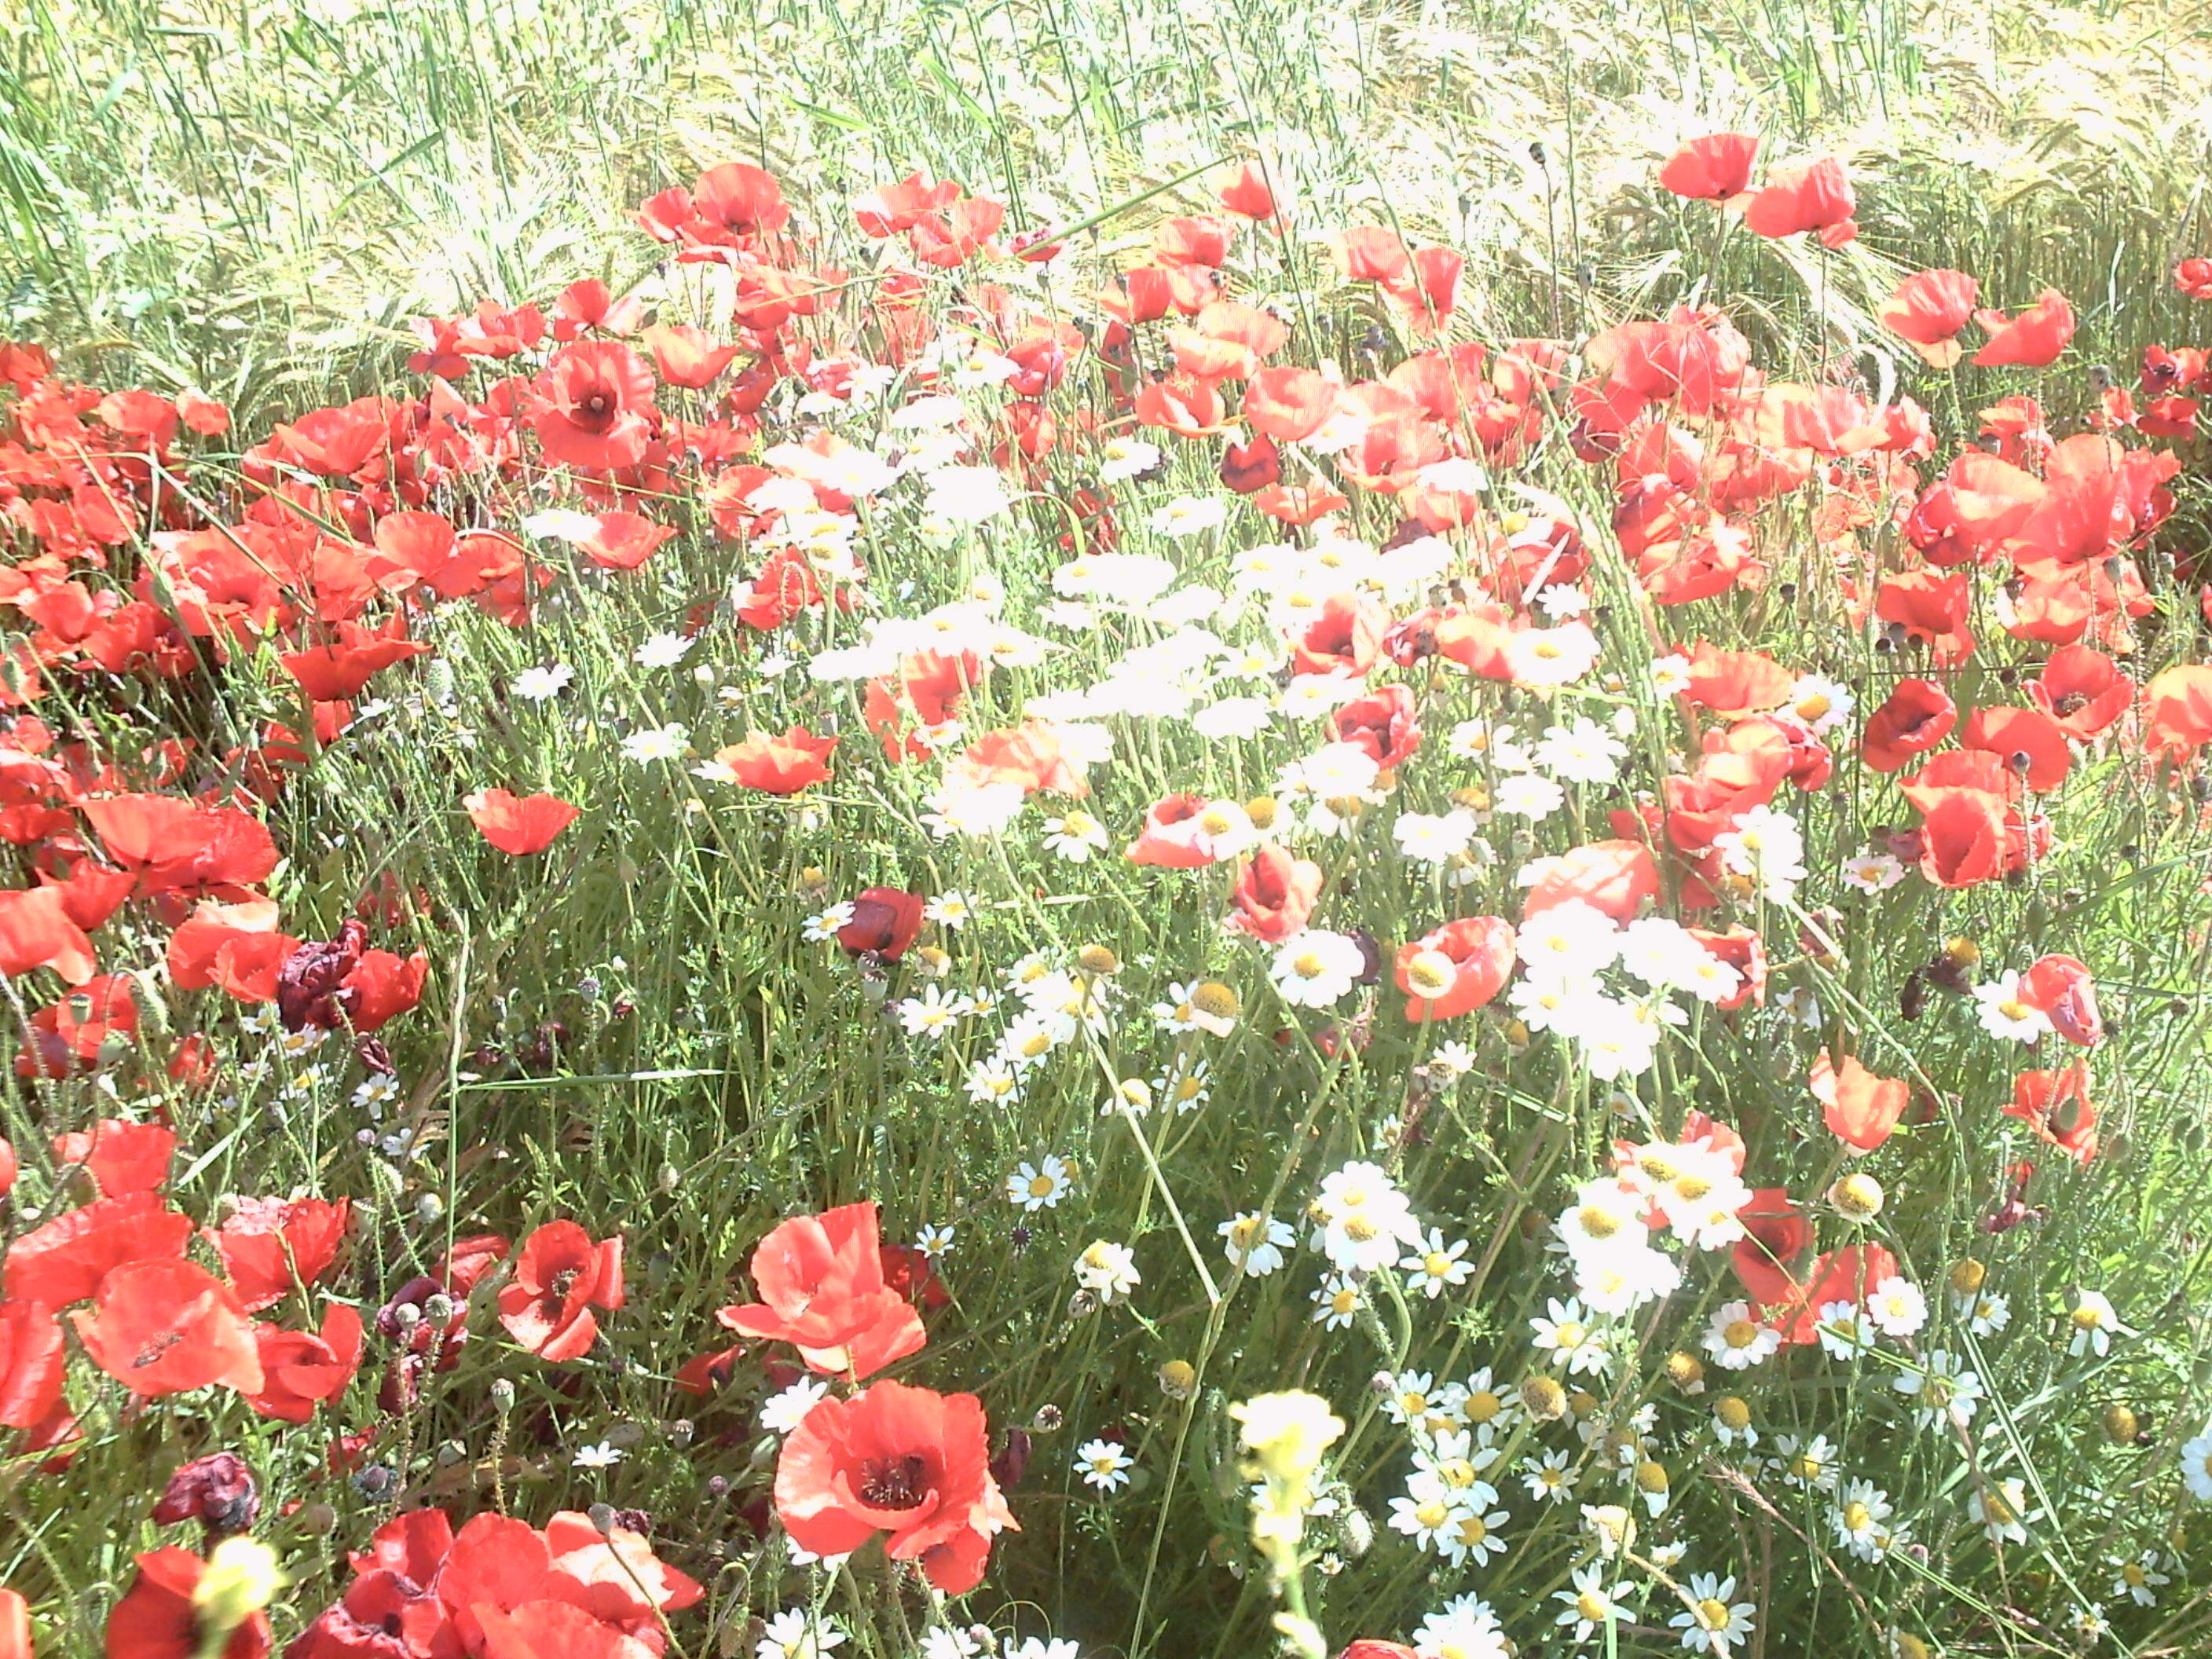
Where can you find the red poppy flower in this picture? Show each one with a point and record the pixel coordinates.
(1371, 1647)
(1927, 311)
(1274, 893)
(1247, 194)
(2031, 743)
(2033, 339)
(1778, 1236)
(1345, 638)
(1173, 834)
(1846, 1275)
(66, 1260)
(886, 920)
(1743, 951)
(14, 1625)
(1384, 723)
(736, 204)
(1915, 717)
(30, 1364)
(2063, 989)
(35, 932)
(1733, 683)
(905, 1461)
(822, 1288)
(1963, 839)
(157, 1618)
(1615, 876)
(121, 1157)
(2083, 689)
(161, 1326)
(1288, 404)
(2194, 278)
(235, 947)
(1034, 755)
(2177, 711)
(303, 1369)
(1860, 1109)
(778, 766)
(355, 654)
(10, 1167)
(2055, 1104)
(591, 405)
(559, 1277)
(1714, 168)
(269, 1243)
(1459, 968)
(888, 209)
(553, 1630)
(1813, 196)
(520, 825)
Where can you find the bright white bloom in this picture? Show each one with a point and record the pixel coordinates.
(2138, 1578)
(2095, 1324)
(1822, 704)
(1336, 1302)
(1074, 836)
(1104, 1464)
(1670, 675)
(1766, 846)
(942, 1643)
(1316, 969)
(1123, 458)
(1565, 1333)
(953, 910)
(933, 1012)
(1986, 1314)
(2197, 1466)
(1039, 1185)
(1573, 938)
(1946, 1391)
(661, 651)
(656, 743)
(1434, 839)
(1584, 752)
(1711, 1623)
(1529, 795)
(1896, 1307)
(824, 925)
(1551, 1479)
(604, 1455)
(1436, 1265)
(1591, 1604)
(1465, 1629)
(1108, 1270)
(1255, 1242)
(1873, 873)
(1550, 656)
(541, 685)
(1810, 1464)
(934, 1240)
(2006, 1013)
(1844, 1331)
(1861, 1519)
(785, 1412)
(796, 1633)
(966, 495)
(1233, 717)
(2003, 1511)
(1190, 515)
(1736, 1340)
(1363, 1219)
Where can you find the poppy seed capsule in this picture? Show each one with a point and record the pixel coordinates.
(2121, 1424)
(1857, 1197)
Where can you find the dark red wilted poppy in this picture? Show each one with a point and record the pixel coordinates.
(908, 1462)
(520, 825)
(559, 1277)
(821, 1289)
(885, 922)
(164, 1326)
(159, 1618)
(218, 1491)
(1714, 168)
(1274, 893)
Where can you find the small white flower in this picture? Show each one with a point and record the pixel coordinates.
(1039, 1185)
(604, 1455)
(1255, 1242)
(1896, 1307)
(933, 1241)
(1108, 1270)
(662, 651)
(656, 743)
(1103, 1464)
(542, 684)
(784, 1411)
(796, 1633)
(2006, 1013)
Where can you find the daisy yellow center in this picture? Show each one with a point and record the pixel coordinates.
(2087, 1319)
(1858, 1517)
(1571, 1333)
(1413, 1402)
(1598, 1222)
(1041, 1186)
(1593, 1606)
(1472, 1530)
(1659, 1167)
(1482, 1406)
(1216, 823)
(1077, 823)
(1805, 1466)
(1035, 1045)
(1733, 1413)
(2013, 1008)
(1308, 964)
(1245, 1233)
(1433, 1514)
(1436, 1264)
(1360, 1229)
(1712, 1615)
(1431, 972)
(1455, 1472)
(1692, 1187)
(1740, 1332)
(1999, 1511)
(2134, 1574)
(1814, 705)
(1344, 1302)
(1104, 1464)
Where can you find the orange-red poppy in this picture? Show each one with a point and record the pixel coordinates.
(164, 1326)
(2033, 339)
(821, 1289)
(520, 825)
(561, 1275)
(1457, 968)
(778, 765)
(1860, 1109)
(1713, 168)
(159, 1618)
